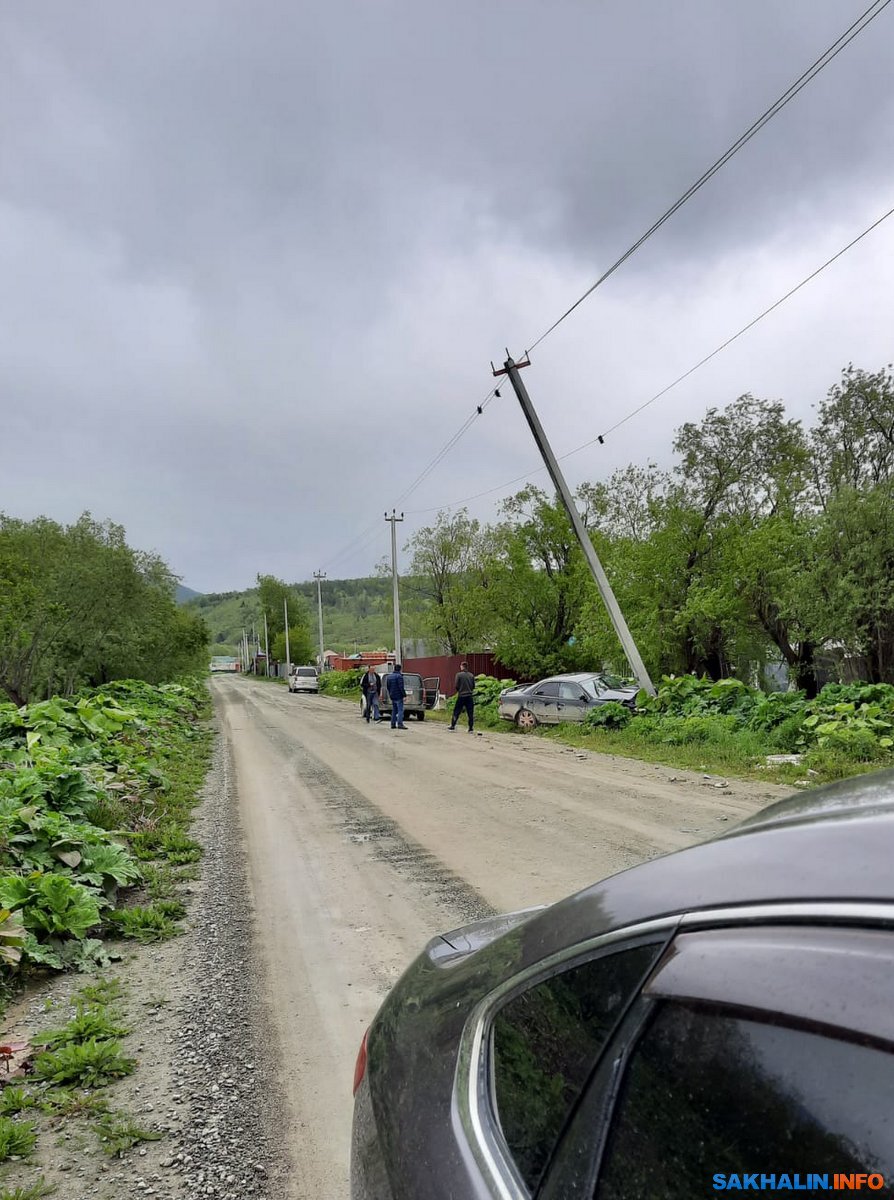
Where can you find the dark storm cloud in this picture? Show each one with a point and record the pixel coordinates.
(277, 235)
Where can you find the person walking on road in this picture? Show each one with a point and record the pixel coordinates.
(394, 685)
(464, 686)
(370, 685)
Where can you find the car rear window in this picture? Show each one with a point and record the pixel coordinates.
(547, 1041)
(307, 672)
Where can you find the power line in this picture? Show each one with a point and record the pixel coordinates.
(680, 378)
(365, 536)
(788, 95)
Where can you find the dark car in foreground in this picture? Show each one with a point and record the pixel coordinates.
(722, 1012)
(563, 698)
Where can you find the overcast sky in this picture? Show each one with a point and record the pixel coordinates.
(255, 258)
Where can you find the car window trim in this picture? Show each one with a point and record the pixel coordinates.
(471, 1078)
(472, 1095)
(598, 1099)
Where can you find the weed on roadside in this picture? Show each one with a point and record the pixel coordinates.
(89, 1064)
(104, 991)
(17, 1138)
(149, 923)
(160, 881)
(59, 1102)
(91, 1024)
(118, 1132)
(34, 1191)
(14, 1100)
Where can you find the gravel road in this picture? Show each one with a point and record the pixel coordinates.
(362, 842)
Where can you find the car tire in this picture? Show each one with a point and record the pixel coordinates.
(525, 719)
(420, 716)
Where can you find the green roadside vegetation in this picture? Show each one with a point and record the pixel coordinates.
(96, 798)
(719, 727)
(96, 794)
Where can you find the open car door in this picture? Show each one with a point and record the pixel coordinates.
(431, 688)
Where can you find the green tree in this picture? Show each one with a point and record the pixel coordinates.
(272, 595)
(79, 606)
(448, 570)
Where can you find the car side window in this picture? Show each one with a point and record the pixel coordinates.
(570, 691)
(546, 1041)
(712, 1092)
(547, 689)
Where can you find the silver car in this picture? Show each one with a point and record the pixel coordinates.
(563, 698)
(304, 679)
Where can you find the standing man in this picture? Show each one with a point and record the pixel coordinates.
(464, 686)
(394, 684)
(370, 685)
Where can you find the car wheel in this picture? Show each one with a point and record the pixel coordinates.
(420, 716)
(525, 719)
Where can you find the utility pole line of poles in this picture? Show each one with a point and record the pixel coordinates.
(320, 576)
(266, 649)
(394, 519)
(243, 652)
(285, 611)
(625, 637)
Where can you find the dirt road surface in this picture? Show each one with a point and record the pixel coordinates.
(363, 842)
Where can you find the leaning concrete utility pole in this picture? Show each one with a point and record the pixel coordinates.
(320, 576)
(266, 648)
(285, 610)
(394, 518)
(625, 637)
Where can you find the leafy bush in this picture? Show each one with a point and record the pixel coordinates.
(152, 923)
(17, 1138)
(611, 715)
(487, 696)
(77, 777)
(341, 683)
(51, 904)
(85, 1064)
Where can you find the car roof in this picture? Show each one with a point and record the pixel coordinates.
(575, 677)
(828, 845)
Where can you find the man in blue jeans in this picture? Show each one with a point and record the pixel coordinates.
(396, 689)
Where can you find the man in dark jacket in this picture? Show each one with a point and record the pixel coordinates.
(396, 689)
(464, 686)
(370, 686)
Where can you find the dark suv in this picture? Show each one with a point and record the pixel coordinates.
(716, 1017)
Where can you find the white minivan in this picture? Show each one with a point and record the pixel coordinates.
(304, 679)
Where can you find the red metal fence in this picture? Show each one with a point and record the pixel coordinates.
(445, 666)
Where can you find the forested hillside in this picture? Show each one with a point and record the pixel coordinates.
(357, 613)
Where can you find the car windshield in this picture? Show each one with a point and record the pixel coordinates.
(600, 684)
(614, 681)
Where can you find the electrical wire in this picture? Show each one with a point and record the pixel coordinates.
(680, 378)
(788, 95)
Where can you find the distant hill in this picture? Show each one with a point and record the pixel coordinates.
(184, 594)
(356, 613)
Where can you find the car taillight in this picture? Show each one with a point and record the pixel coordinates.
(360, 1065)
